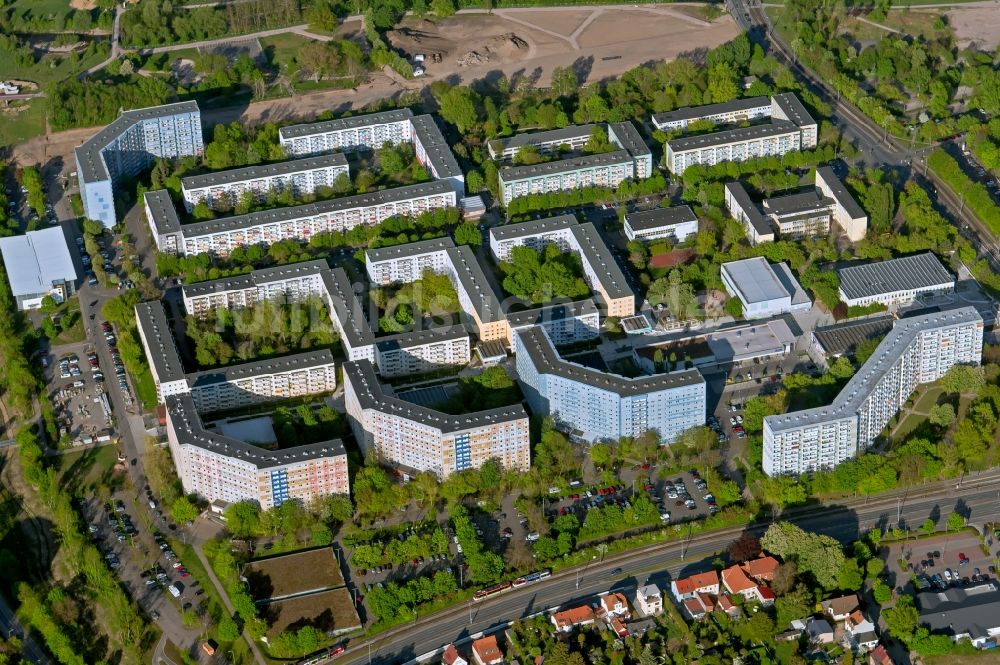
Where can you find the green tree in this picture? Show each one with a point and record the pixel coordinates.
(963, 379)
(814, 554)
(902, 618)
(442, 8)
(928, 527)
(228, 630)
(955, 522)
(942, 415)
(468, 234)
(243, 519)
(849, 577)
(881, 592)
(183, 510)
(457, 106)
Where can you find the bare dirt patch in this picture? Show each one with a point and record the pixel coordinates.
(85, 5)
(464, 40)
(562, 22)
(976, 25)
(661, 36)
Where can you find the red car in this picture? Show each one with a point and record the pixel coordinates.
(647, 487)
(337, 650)
(645, 467)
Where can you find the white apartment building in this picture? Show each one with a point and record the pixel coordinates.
(627, 137)
(917, 350)
(549, 142)
(564, 323)
(362, 132)
(221, 468)
(128, 146)
(300, 176)
(675, 223)
(418, 438)
(847, 213)
(792, 128)
(600, 270)
(407, 263)
(894, 282)
(597, 406)
(289, 283)
(434, 152)
(725, 113)
(221, 236)
(603, 170)
(422, 351)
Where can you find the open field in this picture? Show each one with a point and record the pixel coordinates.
(22, 120)
(50, 67)
(82, 469)
(977, 25)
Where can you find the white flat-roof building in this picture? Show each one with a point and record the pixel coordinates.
(552, 141)
(675, 223)
(627, 137)
(608, 169)
(917, 350)
(764, 289)
(302, 222)
(300, 176)
(894, 282)
(39, 264)
(805, 214)
(128, 146)
(362, 132)
(423, 439)
(725, 113)
(407, 263)
(792, 128)
(596, 406)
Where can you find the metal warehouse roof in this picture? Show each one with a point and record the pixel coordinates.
(37, 259)
(903, 274)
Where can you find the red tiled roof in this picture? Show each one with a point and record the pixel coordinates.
(450, 655)
(694, 606)
(765, 593)
(761, 568)
(707, 601)
(736, 580)
(487, 649)
(697, 581)
(609, 601)
(573, 616)
(619, 627)
(725, 603)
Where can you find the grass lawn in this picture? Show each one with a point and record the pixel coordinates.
(40, 7)
(24, 124)
(75, 332)
(52, 67)
(281, 49)
(145, 389)
(982, 658)
(928, 399)
(82, 471)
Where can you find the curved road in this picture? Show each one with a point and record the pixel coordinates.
(978, 499)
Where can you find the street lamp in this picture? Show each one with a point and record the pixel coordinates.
(584, 570)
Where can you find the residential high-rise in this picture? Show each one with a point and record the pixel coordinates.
(418, 438)
(917, 350)
(128, 146)
(597, 406)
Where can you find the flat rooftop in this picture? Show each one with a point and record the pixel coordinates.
(792, 107)
(809, 200)
(546, 360)
(755, 280)
(473, 281)
(532, 227)
(841, 338)
(904, 274)
(347, 308)
(256, 278)
(742, 198)
(433, 142)
(36, 260)
(849, 400)
(760, 338)
(573, 132)
(840, 192)
(695, 112)
(151, 319)
(564, 165)
(647, 220)
(407, 250)
(254, 368)
(596, 253)
(162, 211)
(292, 574)
(88, 154)
(187, 424)
(371, 395)
(629, 138)
(280, 215)
(340, 124)
(557, 312)
(738, 135)
(414, 338)
(264, 171)
(957, 611)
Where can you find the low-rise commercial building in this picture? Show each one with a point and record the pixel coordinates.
(38, 264)
(844, 338)
(419, 438)
(221, 468)
(806, 214)
(894, 282)
(963, 613)
(362, 132)
(675, 223)
(918, 350)
(224, 189)
(128, 146)
(598, 406)
(764, 289)
(300, 223)
(742, 342)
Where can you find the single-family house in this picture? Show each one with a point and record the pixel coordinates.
(880, 656)
(452, 657)
(567, 620)
(765, 596)
(841, 607)
(688, 587)
(617, 625)
(761, 569)
(736, 582)
(861, 631)
(615, 605)
(649, 600)
(819, 631)
(486, 651)
(726, 604)
(698, 606)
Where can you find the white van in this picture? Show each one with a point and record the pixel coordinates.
(174, 590)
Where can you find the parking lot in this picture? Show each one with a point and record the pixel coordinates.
(76, 388)
(954, 559)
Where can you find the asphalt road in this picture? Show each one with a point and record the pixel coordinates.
(978, 499)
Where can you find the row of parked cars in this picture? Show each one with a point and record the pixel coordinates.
(116, 358)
